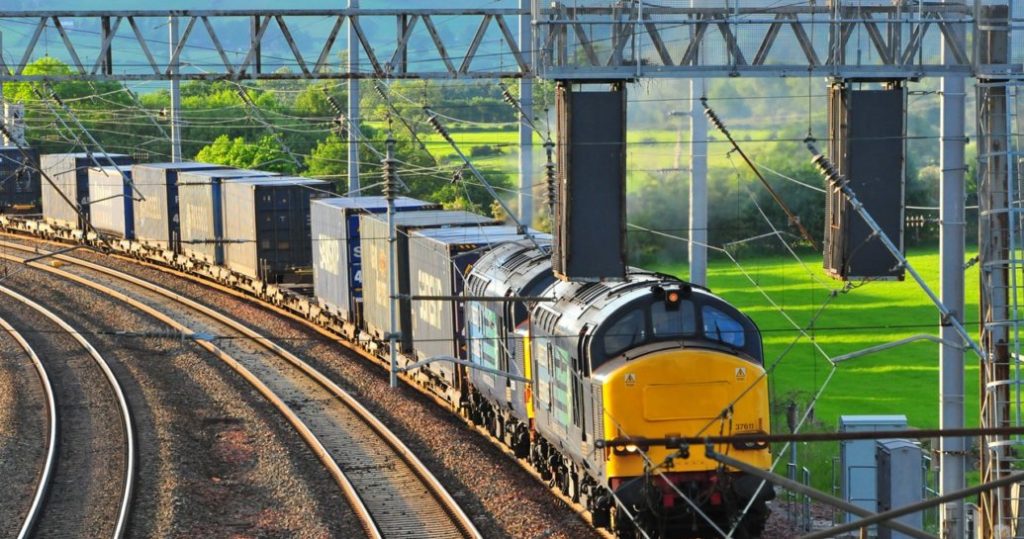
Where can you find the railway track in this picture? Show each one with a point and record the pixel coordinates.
(81, 491)
(47, 468)
(386, 484)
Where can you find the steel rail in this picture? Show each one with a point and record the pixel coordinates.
(122, 402)
(441, 495)
(46, 475)
(348, 491)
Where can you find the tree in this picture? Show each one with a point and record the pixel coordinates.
(264, 154)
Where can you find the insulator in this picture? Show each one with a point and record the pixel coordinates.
(507, 96)
(436, 124)
(826, 168)
(551, 177)
(456, 176)
(380, 91)
(332, 102)
(715, 120)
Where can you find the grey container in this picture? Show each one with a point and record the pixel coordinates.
(110, 209)
(156, 215)
(70, 174)
(267, 225)
(438, 263)
(19, 179)
(337, 260)
(374, 240)
(199, 200)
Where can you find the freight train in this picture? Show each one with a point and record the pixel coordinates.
(552, 369)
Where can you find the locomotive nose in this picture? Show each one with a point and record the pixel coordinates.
(683, 392)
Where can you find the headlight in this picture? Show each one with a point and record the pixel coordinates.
(751, 443)
(631, 449)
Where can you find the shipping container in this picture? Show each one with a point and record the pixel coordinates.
(438, 263)
(337, 260)
(70, 175)
(266, 226)
(20, 189)
(373, 231)
(110, 207)
(156, 213)
(199, 201)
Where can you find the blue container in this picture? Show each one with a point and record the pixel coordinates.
(156, 214)
(199, 198)
(337, 255)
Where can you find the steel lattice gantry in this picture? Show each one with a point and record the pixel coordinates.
(579, 39)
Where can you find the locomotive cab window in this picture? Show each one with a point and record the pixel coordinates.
(721, 327)
(626, 333)
(678, 322)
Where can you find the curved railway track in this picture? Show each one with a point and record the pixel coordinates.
(47, 469)
(59, 511)
(386, 484)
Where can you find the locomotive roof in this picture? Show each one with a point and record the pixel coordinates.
(511, 266)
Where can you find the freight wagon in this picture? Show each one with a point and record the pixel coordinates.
(157, 223)
(20, 189)
(70, 175)
(111, 201)
(199, 196)
(374, 241)
(337, 254)
(267, 227)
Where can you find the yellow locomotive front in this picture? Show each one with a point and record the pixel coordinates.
(622, 372)
(676, 393)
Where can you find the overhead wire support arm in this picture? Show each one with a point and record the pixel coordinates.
(439, 127)
(257, 115)
(836, 181)
(794, 219)
(354, 128)
(385, 94)
(67, 110)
